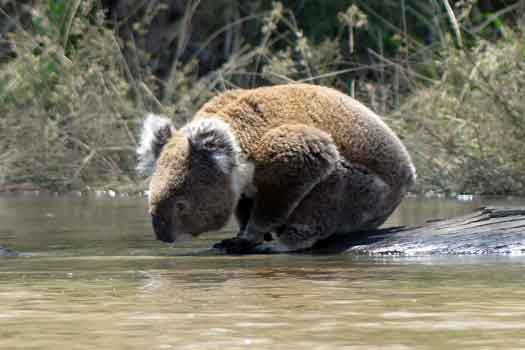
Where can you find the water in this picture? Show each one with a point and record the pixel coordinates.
(92, 276)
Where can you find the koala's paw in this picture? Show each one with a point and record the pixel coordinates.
(236, 246)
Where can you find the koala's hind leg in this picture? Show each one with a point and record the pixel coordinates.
(368, 201)
(316, 217)
(350, 199)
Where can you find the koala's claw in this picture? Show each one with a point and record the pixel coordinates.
(236, 246)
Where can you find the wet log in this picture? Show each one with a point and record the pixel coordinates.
(487, 231)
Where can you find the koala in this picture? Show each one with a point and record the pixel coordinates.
(293, 163)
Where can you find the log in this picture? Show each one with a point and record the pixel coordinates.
(487, 231)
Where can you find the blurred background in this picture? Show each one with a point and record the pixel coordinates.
(77, 77)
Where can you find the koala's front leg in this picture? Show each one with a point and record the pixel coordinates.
(289, 162)
(239, 245)
(243, 211)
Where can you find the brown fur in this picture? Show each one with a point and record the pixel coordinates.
(360, 135)
(323, 163)
(185, 171)
(290, 161)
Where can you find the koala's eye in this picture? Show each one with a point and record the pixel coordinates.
(182, 206)
(208, 145)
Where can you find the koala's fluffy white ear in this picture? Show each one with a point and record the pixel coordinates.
(214, 137)
(156, 132)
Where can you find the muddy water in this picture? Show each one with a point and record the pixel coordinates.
(91, 276)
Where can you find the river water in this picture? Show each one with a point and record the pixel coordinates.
(92, 276)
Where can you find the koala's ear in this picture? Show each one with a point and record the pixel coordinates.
(156, 132)
(213, 137)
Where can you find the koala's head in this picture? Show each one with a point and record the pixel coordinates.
(192, 187)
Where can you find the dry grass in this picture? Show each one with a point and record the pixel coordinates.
(71, 106)
(67, 121)
(466, 131)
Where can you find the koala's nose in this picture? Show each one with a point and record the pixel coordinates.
(162, 229)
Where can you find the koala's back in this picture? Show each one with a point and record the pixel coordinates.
(360, 135)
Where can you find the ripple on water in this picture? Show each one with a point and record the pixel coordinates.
(96, 278)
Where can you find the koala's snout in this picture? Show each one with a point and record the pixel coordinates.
(162, 228)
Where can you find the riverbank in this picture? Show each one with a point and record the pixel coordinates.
(72, 104)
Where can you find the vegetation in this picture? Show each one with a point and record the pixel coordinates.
(78, 76)
(466, 131)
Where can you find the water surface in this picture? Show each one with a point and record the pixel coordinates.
(92, 275)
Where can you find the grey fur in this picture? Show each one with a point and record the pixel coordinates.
(156, 132)
(214, 136)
